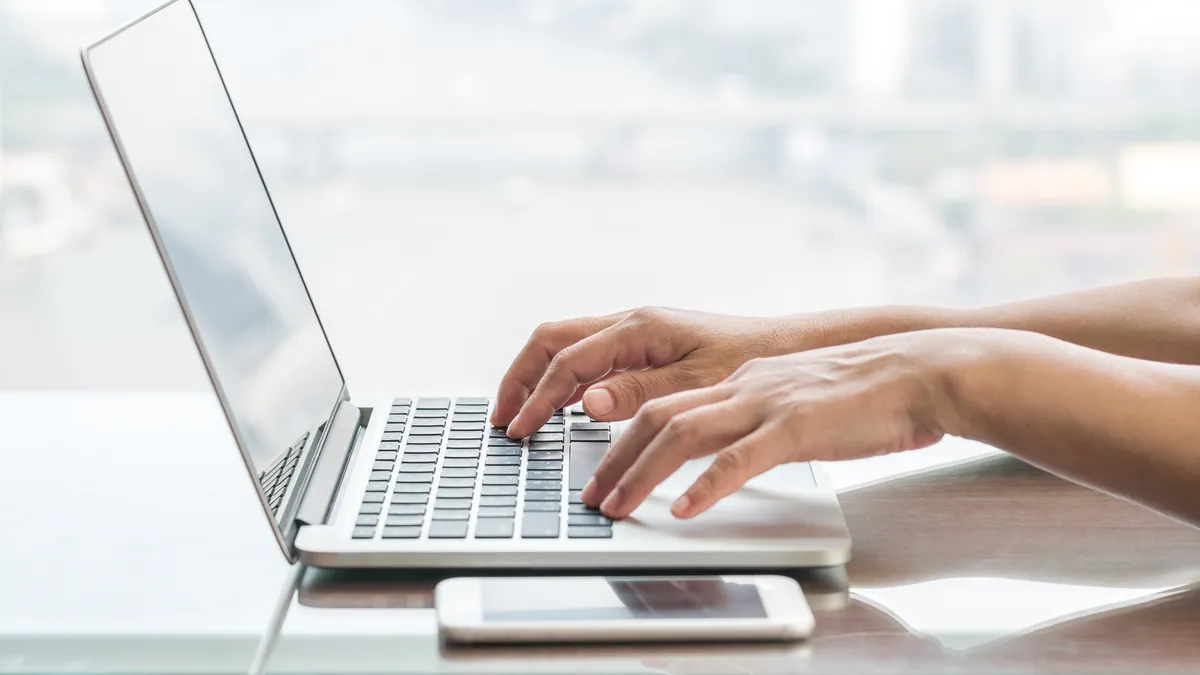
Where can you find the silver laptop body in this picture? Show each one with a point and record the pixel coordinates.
(393, 481)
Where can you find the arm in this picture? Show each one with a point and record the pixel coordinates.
(1124, 426)
(1156, 319)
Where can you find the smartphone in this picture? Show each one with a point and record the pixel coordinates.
(621, 609)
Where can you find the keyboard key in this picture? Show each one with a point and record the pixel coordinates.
(367, 520)
(389, 446)
(494, 528)
(542, 506)
(540, 455)
(466, 426)
(499, 491)
(504, 452)
(364, 533)
(373, 498)
(429, 414)
(378, 485)
(472, 400)
(546, 466)
(461, 462)
(499, 480)
(370, 509)
(448, 529)
(497, 432)
(590, 435)
(546, 436)
(542, 496)
(413, 488)
(505, 441)
(397, 418)
(441, 504)
(458, 472)
(585, 457)
(589, 426)
(493, 460)
(498, 501)
(406, 510)
(401, 402)
(401, 532)
(387, 454)
(535, 525)
(456, 482)
(589, 532)
(426, 422)
(502, 470)
(546, 445)
(497, 512)
(433, 404)
(393, 436)
(404, 521)
(466, 435)
(420, 457)
(451, 515)
(415, 478)
(402, 498)
(380, 475)
(423, 441)
(588, 519)
(455, 493)
(582, 508)
(416, 467)
(393, 428)
(480, 417)
(544, 475)
(554, 485)
(574, 497)
(383, 465)
(427, 431)
(463, 453)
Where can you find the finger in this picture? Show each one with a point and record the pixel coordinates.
(690, 434)
(583, 389)
(644, 427)
(750, 456)
(531, 363)
(625, 393)
(617, 347)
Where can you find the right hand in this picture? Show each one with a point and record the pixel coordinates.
(616, 363)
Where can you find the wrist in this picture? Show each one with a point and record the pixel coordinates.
(845, 326)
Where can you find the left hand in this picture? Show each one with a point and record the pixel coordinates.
(868, 398)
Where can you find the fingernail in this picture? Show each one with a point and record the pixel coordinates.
(610, 504)
(599, 401)
(589, 491)
(681, 506)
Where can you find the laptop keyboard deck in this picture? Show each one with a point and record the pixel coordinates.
(443, 472)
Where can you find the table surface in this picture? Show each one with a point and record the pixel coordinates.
(133, 543)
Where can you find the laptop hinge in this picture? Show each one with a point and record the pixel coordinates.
(344, 431)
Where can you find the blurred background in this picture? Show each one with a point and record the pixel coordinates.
(454, 172)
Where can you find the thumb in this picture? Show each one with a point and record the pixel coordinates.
(619, 396)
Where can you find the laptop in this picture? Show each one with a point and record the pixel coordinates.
(400, 480)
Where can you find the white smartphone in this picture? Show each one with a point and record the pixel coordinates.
(621, 609)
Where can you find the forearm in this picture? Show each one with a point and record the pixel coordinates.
(1124, 426)
(1157, 319)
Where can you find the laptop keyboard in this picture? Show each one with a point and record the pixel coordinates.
(442, 472)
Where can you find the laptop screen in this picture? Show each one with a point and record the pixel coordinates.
(216, 227)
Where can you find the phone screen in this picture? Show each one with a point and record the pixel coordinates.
(619, 598)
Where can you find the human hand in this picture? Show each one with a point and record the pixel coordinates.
(616, 363)
(868, 398)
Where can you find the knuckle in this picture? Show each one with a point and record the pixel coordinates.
(648, 315)
(545, 331)
(681, 428)
(655, 413)
(730, 463)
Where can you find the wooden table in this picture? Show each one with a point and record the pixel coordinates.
(136, 546)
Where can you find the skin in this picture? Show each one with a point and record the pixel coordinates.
(1100, 387)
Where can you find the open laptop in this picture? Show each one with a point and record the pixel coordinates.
(400, 481)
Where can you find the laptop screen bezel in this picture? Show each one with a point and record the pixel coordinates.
(284, 526)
